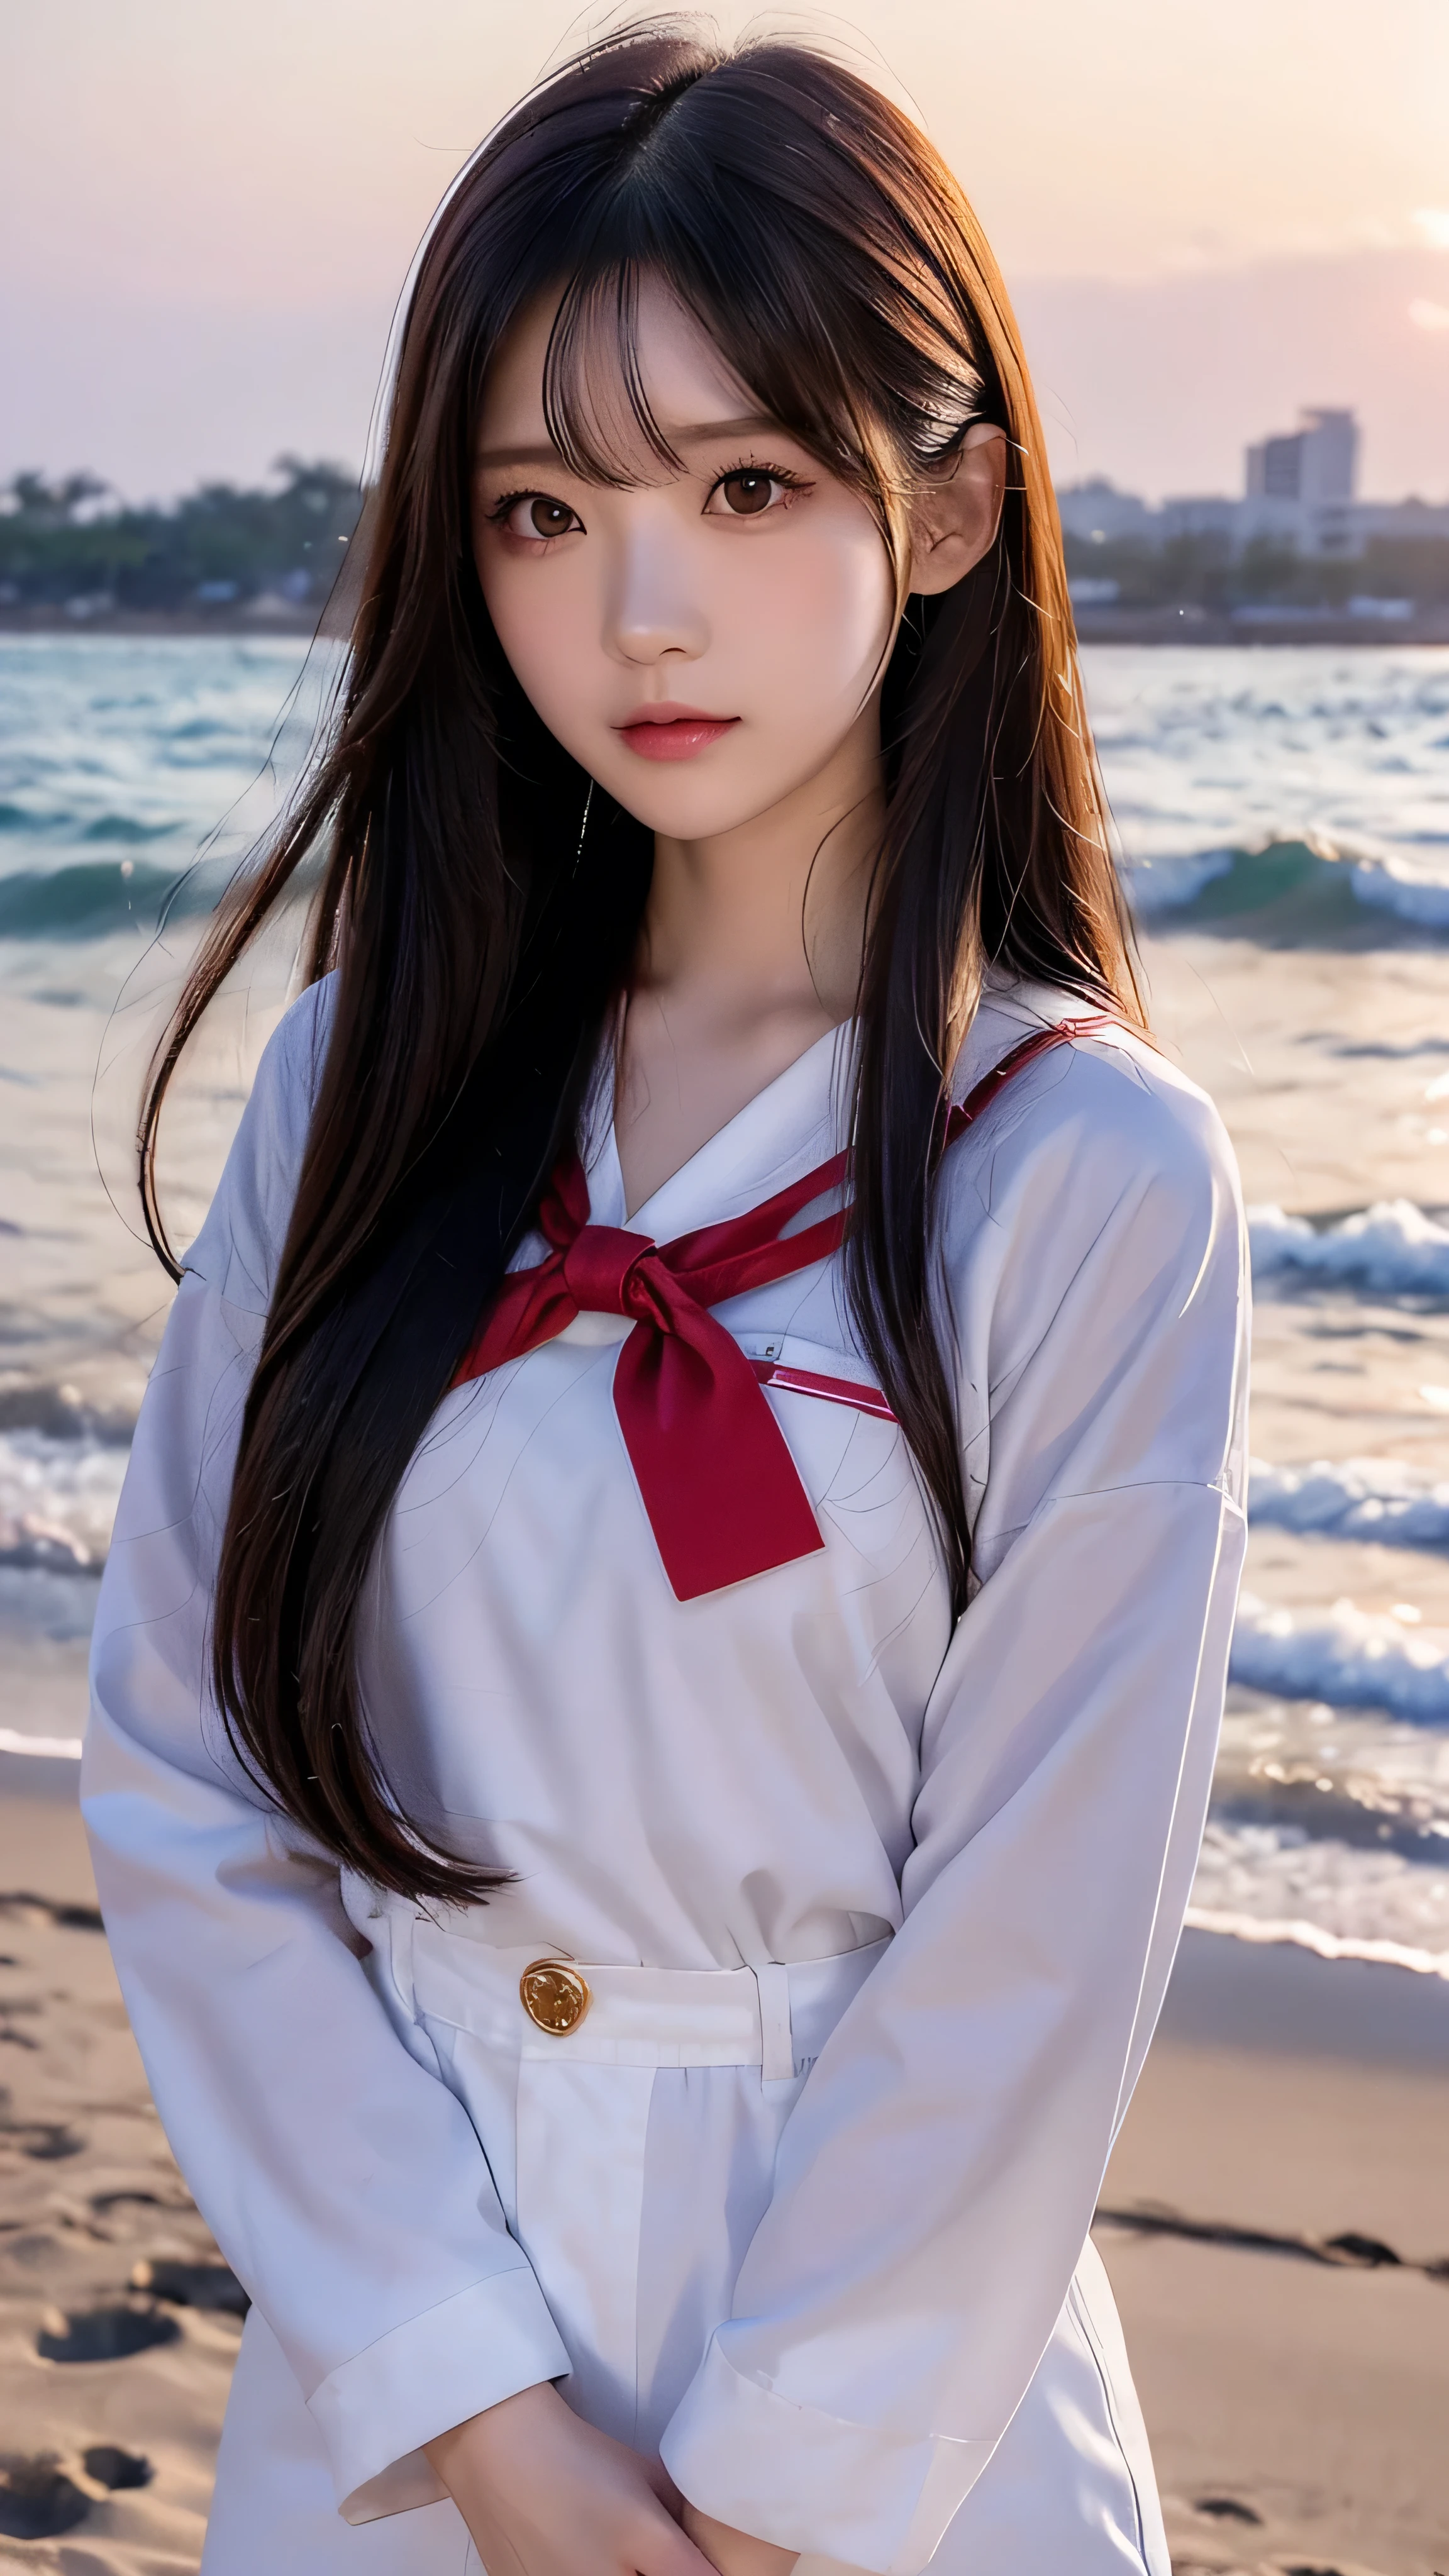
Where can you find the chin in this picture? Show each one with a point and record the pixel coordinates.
(693, 808)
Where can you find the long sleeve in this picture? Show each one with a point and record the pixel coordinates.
(341, 2178)
(937, 2178)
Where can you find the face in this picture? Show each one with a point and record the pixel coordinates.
(704, 643)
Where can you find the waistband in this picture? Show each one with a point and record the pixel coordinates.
(540, 2005)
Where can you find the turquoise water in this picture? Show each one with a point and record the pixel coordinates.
(1304, 776)
(120, 762)
(1236, 777)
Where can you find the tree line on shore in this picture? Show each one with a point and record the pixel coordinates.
(1203, 572)
(71, 544)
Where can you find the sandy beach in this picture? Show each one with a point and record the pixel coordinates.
(1275, 2222)
(1276, 2216)
(111, 2395)
(1285, 2286)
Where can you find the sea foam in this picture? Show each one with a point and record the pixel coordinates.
(57, 1501)
(1395, 1247)
(1361, 1498)
(1395, 885)
(1350, 1658)
(1277, 1883)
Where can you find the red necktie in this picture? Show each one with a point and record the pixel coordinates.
(720, 1487)
(722, 1492)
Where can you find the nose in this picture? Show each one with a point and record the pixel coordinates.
(651, 610)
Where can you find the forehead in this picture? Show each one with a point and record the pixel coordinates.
(687, 382)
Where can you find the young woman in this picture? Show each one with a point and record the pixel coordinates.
(656, 1685)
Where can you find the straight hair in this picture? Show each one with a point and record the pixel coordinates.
(479, 939)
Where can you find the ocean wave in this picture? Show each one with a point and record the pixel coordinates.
(1270, 1929)
(1175, 881)
(1348, 1657)
(58, 1501)
(1396, 886)
(1353, 1776)
(125, 828)
(1278, 1883)
(100, 895)
(112, 826)
(1394, 1247)
(52, 1601)
(1307, 885)
(41, 1748)
(1362, 1498)
(1280, 791)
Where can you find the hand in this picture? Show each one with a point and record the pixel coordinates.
(544, 2494)
(735, 2553)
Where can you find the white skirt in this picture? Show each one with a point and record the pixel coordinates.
(634, 2155)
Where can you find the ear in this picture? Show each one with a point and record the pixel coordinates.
(956, 512)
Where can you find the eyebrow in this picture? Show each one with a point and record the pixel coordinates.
(748, 425)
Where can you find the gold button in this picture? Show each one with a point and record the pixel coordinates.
(554, 1997)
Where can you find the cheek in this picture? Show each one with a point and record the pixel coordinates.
(818, 614)
(540, 623)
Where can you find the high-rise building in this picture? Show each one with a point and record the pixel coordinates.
(1315, 464)
(1299, 500)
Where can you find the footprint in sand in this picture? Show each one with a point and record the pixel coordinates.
(110, 2333)
(45, 2141)
(112, 2467)
(193, 2285)
(1226, 2509)
(37, 2500)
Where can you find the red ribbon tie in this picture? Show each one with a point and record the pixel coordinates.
(722, 1492)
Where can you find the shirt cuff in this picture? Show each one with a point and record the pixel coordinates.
(809, 2481)
(375, 2411)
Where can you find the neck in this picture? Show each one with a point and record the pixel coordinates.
(766, 922)
(750, 952)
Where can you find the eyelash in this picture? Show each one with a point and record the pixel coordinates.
(503, 509)
(790, 482)
(780, 474)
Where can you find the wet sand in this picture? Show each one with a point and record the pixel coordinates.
(1275, 2221)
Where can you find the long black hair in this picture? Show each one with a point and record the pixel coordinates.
(825, 247)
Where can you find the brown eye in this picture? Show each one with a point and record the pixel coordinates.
(534, 517)
(548, 518)
(747, 493)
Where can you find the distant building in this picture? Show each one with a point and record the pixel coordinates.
(1299, 498)
(1315, 464)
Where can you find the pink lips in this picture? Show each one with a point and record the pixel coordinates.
(670, 732)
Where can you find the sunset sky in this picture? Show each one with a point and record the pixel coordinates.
(1208, 214)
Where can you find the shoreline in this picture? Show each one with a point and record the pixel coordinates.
(1174, 626)
(159, 623)
(1179, 626)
